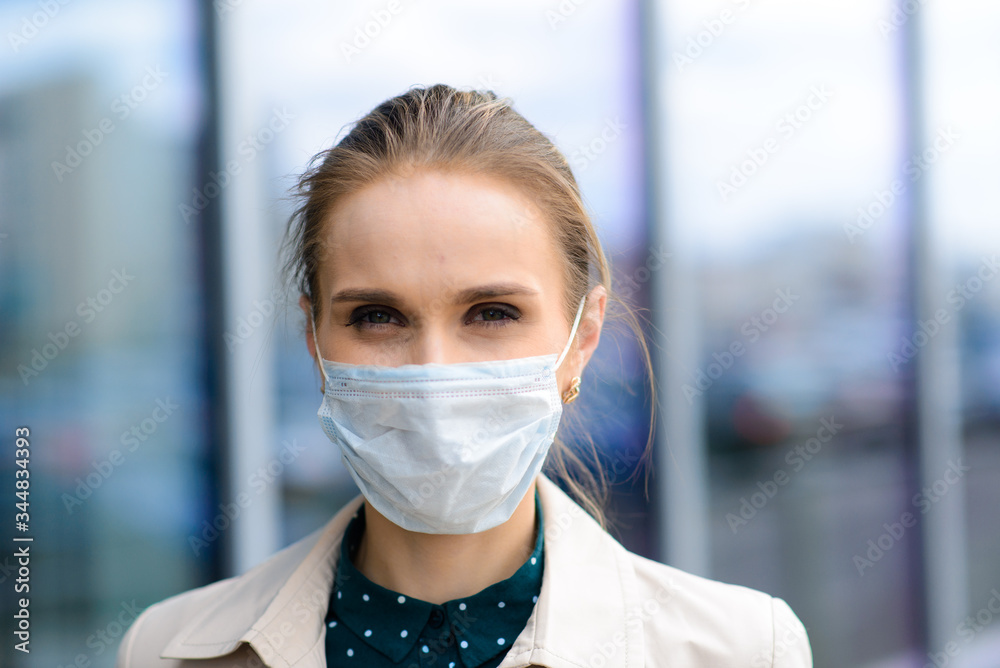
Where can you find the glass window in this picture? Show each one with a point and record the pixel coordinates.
(808, 202)
(794, 187)
(962, 96)
(100, 314)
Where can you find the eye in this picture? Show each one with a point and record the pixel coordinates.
(495, 315)
(373, 317)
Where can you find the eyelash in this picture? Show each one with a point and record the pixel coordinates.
(357, 321)
(510, 314)
(357, 317)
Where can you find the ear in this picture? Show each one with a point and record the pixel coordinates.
(588, 333)
(306, 307)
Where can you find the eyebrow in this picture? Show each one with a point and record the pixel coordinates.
(466, 296)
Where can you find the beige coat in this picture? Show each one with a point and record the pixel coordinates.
(599, 606)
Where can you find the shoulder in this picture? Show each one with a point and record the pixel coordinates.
(153, 630)
(713, 623)
(600, 601)
(215, 620)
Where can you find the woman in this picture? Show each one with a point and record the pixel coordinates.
(454, 290)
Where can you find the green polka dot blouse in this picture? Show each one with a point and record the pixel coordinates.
(371, 626)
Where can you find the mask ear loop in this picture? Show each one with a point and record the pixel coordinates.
(572, 332)
(319, 355)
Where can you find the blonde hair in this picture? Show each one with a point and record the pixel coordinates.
(444, 128)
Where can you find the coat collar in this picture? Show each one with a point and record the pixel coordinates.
(589, 603)
(586, 608)
(277, 607)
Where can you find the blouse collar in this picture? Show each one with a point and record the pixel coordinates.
(484, 624)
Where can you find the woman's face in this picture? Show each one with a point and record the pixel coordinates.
(444, 267)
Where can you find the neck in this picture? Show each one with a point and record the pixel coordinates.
(442, 567)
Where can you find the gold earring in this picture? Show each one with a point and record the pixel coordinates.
(570, 395)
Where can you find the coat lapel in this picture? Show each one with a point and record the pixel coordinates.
(277, 607)
(588, 612)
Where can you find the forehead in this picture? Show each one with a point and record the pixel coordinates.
(434, 231)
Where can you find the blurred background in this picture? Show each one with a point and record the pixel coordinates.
(802, 195)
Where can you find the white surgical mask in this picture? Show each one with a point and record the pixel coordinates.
(444, 448)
